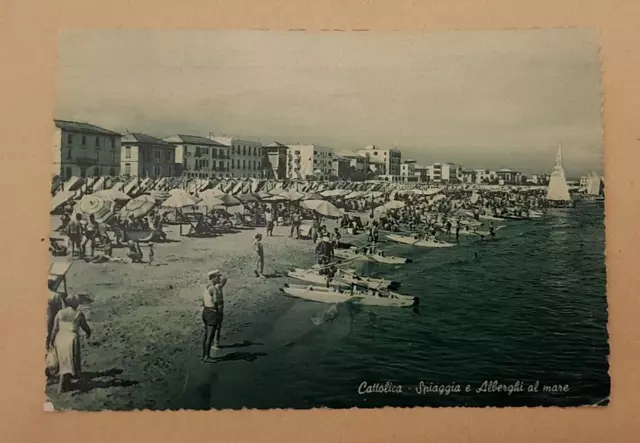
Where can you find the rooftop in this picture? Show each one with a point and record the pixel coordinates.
(191, 140)
(84, 128)
(137, 137)
(275, 144)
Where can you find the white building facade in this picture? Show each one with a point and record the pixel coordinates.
(309, 162)
(245, 156)
(84, 150)
(383, 161)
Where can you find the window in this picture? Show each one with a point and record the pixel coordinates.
(167, 156)
(157, 171)
(69, 139)
(255, 151)
(244, 164)
(233, 163)
(221, 165)
(157, 153)
(69, 154)
(112, 143)
(221, 153)
(255, 165)
(97, 142)
(375, 153)
(113, 157)
(84, 141)
(127, 152)
(297, 152)
(244, 150)
(96, 171)
(98, 156)
(112, 172)
(233, 149)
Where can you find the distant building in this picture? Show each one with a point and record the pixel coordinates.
(584, 181)
(539, 179)
(200, 157)
(509, 176)
(421, 172)
(383, 161)
(445, 173)
(408, 171)
(309, 162)
(484, 176)
(342, 168)
(468, 176)
(274, 160)
(245, 156)
(82, 149)
(145, 156)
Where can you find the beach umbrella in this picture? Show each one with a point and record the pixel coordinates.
(312, 196)
(139, 206)
(262, 195)
(180, 200)
(100, 208)
(210, 201)
(332, 193)
(292, 195)
(228, 200)
(322, 207)
(274, 198)
(160, 195)
(353, 194)
(393, 204)
(113, 194)
(246, 198)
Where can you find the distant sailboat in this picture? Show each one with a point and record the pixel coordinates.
(594, 186)
(558, 190)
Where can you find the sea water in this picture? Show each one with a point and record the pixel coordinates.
(520, 320)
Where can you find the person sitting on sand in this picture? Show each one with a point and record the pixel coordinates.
(212, 312)
(135, 253)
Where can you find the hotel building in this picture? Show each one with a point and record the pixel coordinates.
(309, 162)
(200, 157)
(145, 156)
(82, 149)
(245, 156)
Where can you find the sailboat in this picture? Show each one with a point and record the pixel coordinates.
(594, 188)
(558, 190)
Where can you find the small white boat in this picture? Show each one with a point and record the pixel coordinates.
(490, 217)
(333, 295)
(419, 242)
(343, 277)
(375, 255)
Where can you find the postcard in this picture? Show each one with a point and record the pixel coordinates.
(297, 220)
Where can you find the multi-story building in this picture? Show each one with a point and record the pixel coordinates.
(408, 170)
(445, 173)
(82, 149)
(200, 157)
(245, 156)
(309, 162)
(145, 156)
(484, 176)
(468, 176)
(383, 161)
(509, 176)
(274, 160)
(421, 173)
(584, 180)
(342, 168)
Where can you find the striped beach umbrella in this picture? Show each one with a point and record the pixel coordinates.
(101, 208)
(139, 206)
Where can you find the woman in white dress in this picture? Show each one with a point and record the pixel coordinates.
(66, 341)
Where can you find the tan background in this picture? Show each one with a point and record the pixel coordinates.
(27, 72)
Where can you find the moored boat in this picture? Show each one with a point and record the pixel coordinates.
(334, 295)
(343, 277)
(372, 254)
(419, 242)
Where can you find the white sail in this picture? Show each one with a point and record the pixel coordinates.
(558, 189)
(594, 184)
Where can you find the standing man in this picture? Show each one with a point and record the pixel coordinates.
(212, 312)
(259, 255)
(295, 224)
(74, 232)
(90, 234)
(269, 219)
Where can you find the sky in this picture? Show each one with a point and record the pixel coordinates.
(486, 99)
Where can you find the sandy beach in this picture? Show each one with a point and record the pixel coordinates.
(146, 343)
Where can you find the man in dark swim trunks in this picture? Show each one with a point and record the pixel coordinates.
(212, 312)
